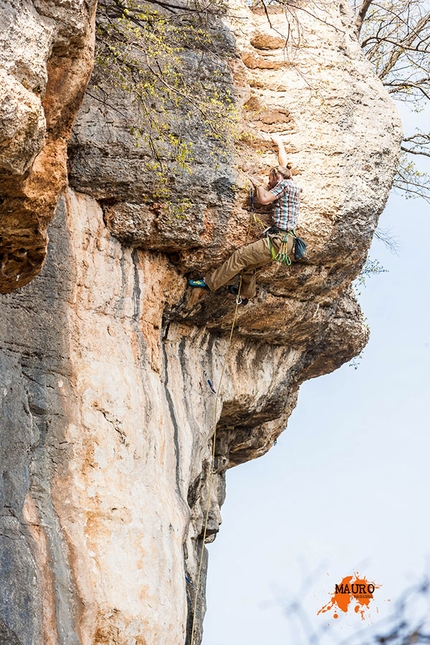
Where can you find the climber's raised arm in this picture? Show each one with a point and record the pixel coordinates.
(282, 155)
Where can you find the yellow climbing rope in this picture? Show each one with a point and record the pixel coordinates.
(212, 470)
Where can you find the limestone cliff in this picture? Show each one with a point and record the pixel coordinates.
(107, 413)
(45, 62)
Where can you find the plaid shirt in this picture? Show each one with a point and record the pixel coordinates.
(286, 207)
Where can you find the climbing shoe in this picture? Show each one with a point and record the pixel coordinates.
(200, 284)
(235, 291)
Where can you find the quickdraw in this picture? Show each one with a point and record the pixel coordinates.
(282, 254)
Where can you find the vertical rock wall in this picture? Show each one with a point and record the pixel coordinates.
(114, 451)
(106, 356)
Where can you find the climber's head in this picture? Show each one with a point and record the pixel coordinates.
(278, 173)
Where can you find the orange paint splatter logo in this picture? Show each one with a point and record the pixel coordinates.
(353, 593)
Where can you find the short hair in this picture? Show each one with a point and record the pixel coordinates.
(285, 171)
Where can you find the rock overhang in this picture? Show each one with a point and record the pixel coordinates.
(341, 132)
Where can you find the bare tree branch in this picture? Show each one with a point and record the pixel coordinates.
(395, 36)
(390, 241)
(362, 14)
(412, 151)
(402, 46)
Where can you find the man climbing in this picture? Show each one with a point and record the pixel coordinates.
(285, 196)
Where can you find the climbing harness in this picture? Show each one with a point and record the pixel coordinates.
(299, 246)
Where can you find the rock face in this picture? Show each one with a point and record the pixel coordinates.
(107, 358)
(46, 58)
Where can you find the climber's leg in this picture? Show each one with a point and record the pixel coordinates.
(249, 283)
(250, 256)
(249, 275)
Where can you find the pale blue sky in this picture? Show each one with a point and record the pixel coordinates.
(346, 488)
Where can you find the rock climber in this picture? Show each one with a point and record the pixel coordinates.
(284, 193)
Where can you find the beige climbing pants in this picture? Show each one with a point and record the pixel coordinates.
(247, 259)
